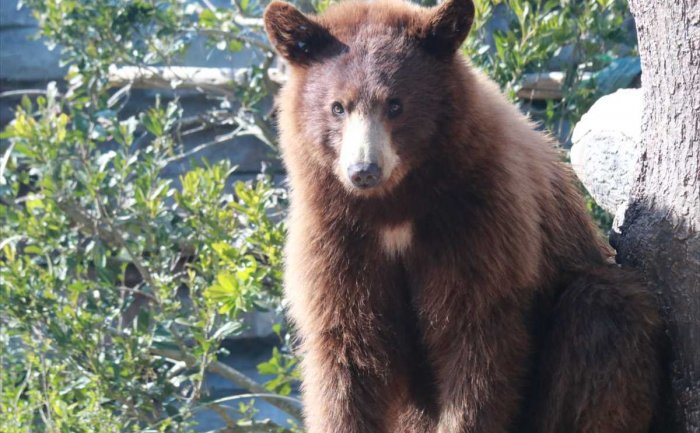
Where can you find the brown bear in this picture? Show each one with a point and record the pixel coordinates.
(442, 271)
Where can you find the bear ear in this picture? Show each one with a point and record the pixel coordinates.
(448, 27)
(295, 36)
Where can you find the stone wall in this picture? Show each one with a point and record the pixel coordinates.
(26, 63)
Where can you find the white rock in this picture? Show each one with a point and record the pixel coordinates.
(606, 146)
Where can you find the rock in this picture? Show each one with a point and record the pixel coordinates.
(25, 59)
(619, 74)
(541, 86)
(606, 146)
(13, 16)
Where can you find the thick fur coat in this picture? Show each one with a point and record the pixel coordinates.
(442, 271)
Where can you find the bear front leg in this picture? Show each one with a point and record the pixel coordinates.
(343, 300)
(341, 396)
(480, 355)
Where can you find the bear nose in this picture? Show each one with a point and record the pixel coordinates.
(364, 175)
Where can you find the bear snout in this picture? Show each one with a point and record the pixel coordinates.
(365, 175)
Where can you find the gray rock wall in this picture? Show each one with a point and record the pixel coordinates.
(25, 62)
(22, 57)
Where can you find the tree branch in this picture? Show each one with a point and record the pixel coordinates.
(236, 377)
(22, 92)
(228, 35)
(88, 224)
(218, 80)
(253, 427)
(218, 140)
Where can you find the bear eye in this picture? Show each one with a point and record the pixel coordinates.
(395, 108)
(337, 109)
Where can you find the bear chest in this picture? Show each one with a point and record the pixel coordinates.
(396, 240)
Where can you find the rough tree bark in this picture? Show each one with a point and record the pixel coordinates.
(659, 234)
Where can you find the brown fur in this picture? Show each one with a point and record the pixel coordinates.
(503, 312)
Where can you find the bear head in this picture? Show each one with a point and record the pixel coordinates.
(369, 84)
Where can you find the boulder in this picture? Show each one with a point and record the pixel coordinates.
(606, 146)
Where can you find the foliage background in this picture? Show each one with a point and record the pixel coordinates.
(118, 284)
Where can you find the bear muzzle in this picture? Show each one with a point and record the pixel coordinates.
(365, 175)
(367, 157)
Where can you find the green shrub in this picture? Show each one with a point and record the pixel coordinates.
(118, 284)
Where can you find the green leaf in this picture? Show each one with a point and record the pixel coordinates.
(228, 329)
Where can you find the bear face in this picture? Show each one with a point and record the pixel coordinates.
(372, 85)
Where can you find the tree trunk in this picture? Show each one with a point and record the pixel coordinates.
(659, 235)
